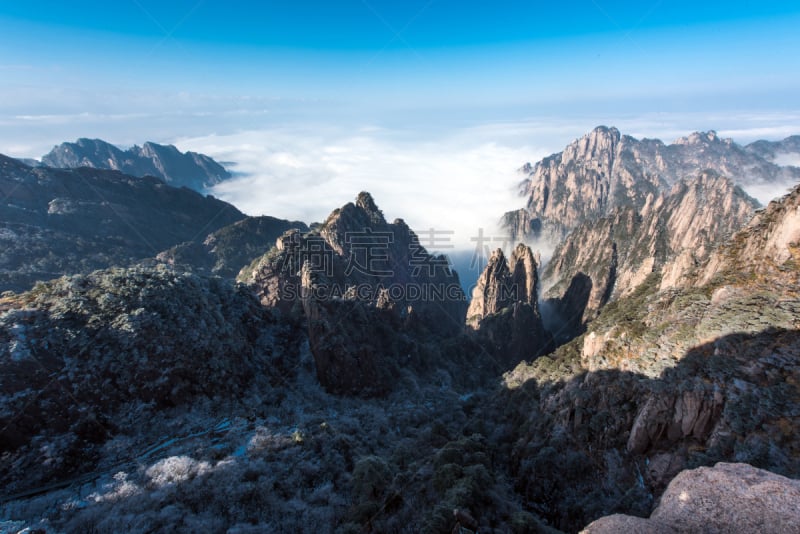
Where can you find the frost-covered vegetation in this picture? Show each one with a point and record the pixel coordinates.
(179, 401)
(161, 401)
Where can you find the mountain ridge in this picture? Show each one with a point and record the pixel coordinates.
(70, 221)
(605, 169)
(176, 168)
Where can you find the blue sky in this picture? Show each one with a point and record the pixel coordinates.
(410, 100)
(381, 60)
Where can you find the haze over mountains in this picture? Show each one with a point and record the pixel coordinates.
(344, 382)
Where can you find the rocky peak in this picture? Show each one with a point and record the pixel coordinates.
(604, 170)
(84, 153)
(600, 143)
(362, 217)
(524, 273)
(376, 274)
(591, 176)
(504, 311)
(365, 201)
(151, 149)
(702, 138)
(489, 295)
(503, 282)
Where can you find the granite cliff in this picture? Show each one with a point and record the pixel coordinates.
(671, 234)
(605, 170)
(504, 310)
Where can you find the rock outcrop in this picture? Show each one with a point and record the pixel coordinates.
(605, 170)
(729, 498)
(176, 168)
(504, 310)
(671, 234)
(368, 290)
(674, 416)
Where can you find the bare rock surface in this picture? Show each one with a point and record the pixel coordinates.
(726, 498)
(605, 170)
(671, 234)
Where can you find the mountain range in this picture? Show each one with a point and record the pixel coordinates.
(250, 374)
(176, 168)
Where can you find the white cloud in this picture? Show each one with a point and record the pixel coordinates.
(765, 193)
(457, 179)
(771, 132)
(792, 159)
(458, 183)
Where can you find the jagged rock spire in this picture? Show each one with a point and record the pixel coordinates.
(504, 310)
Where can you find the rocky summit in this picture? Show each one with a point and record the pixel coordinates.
(504, 311)
(176, 168)
(605, 170)
(368, 290)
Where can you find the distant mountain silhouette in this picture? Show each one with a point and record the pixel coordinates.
(176, 168)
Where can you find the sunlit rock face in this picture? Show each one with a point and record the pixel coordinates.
(606, 170)
(671, 234)
(723, 498)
